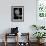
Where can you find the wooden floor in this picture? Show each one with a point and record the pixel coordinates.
(13, 44)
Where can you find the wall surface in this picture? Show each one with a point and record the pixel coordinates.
(29, 15)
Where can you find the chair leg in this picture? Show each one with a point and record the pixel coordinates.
(5, 40)
(5, 43)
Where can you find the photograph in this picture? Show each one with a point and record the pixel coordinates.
(17, 13)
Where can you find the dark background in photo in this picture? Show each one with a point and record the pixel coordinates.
(19, 15)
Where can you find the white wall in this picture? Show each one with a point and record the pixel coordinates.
(29, 15)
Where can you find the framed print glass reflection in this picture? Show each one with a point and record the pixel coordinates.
(17, 13)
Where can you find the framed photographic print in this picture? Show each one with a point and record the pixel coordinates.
(17, 13)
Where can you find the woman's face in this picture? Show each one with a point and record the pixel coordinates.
(17, 12)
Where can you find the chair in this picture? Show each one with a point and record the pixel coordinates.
(7, 35)
(26, 41)
(14, 32)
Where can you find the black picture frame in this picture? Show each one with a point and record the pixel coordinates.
(17, 13)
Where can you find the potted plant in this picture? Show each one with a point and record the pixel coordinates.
(39, 35)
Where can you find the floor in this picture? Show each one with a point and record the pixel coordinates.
(13, 44)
